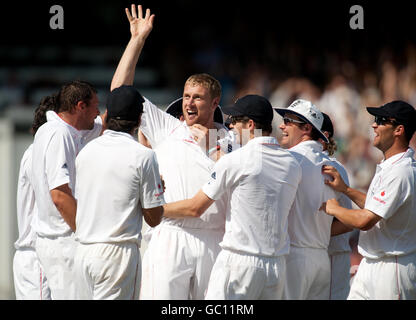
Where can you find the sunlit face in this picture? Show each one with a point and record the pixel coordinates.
(384, 137)
(292, 132)
(198, 106)
(90, 112)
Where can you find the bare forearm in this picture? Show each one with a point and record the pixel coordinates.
(180, 209)
(126, 68)
(338, 228)
(356, 196)
(66, 205)
(360, 218)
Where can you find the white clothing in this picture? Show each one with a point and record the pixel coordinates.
(55, 147)
(340, 275)
(308, 273)
(56, 256)
(309, 228)
(239, 276)
(179, 263)
(339, 248)
(29, 280)
(25, 203)
(116, 178)
(391, 196)
(261, 180)
(185, 167)
(107, 271)
(385, 278)
(389, 247)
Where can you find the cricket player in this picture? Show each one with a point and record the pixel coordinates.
(260, 180)
(118, 183)
(387, 214)
(339, 248)
(310, 229)
(55, 147)
(180, 255)
(30, 282)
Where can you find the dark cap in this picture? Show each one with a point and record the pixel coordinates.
(327, 125)
(403, 112)
(175, 109)
(124, 103)
(254, 107)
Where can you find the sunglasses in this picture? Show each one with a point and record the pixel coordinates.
(381, 121)
(290, 120)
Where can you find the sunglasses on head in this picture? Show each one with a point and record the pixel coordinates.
(381, 121)
(290, 120)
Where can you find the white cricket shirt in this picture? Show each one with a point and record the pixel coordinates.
(260, 180)
(25, 203)
(55, 148)
(391, 195)
(185, 167)
(116, 177)
(310, 227)
(340, 243)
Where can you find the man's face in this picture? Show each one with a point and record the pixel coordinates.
(198, 105)
(90, 112)
(384, 137)
(292, 132)
(241, 131)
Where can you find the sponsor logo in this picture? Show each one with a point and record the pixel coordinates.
(379, 200)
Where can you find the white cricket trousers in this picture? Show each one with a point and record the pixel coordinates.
(239, 276)
(177, 263)
(387, 278)
(56, 256)
(340, 275)
(29, 279)
(308, 274)
(108, 271)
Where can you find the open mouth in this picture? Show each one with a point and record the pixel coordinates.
(191, 114)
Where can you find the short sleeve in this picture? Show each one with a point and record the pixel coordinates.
(219, 180)
(152, 188)
(389, 193)
(57, 159)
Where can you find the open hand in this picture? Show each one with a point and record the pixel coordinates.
(140, 26)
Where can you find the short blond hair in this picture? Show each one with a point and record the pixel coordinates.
(207, 81)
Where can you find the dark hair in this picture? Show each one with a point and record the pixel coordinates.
(47, 103)
(73, 92)
(409, 130)
(265, 127)
(122, 125)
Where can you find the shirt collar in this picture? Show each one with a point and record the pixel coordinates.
(268, 140)
(409, 153)
(315, 145)
(113, 133)
(52, 116)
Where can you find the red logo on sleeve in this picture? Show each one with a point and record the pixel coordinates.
(383, 193)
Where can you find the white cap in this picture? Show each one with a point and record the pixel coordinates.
(306, 111)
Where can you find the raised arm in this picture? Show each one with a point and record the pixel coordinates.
(140, 28)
